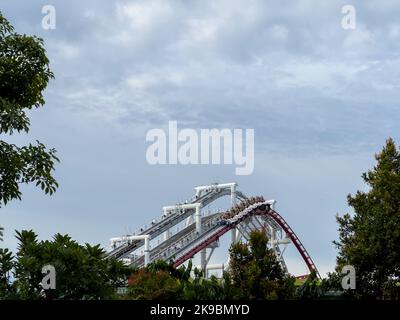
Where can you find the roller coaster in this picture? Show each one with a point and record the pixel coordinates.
(183, 231)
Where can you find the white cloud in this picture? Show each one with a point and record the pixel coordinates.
(201, 31)
(328, 75)
(279, 32)
(142, 16)
(65, 50)
(359, 41)
(138, 23)
(148, 80)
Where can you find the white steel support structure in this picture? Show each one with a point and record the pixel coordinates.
(218, 266)
(234, 232)
(144, 237)
(197, 219)
(220, 186)
(197, 215)
(184, 226)
(167, 233)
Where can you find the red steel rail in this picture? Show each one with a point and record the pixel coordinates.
(264, 210)
(296, 241)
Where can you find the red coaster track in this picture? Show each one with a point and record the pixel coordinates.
(262, 209)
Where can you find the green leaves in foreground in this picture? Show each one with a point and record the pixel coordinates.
(82, 271)
(32, 163)
(24, 75)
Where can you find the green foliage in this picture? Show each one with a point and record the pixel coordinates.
(24, 74)
(311, 288)
(82, 272)
(162, 281)
(331, 287)
(182, 273)
(158, 281)
(332, 282)
(6, 266)
(255, 272)
(32, 163)
(200, 288)
(153, 285)
(369, 240)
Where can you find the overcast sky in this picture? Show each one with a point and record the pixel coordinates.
(322, 101)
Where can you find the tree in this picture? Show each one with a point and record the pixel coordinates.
(24, 74)
(6, 265)
(82, 272)
(255, 272)
(311, 288)
(369, 240)
(162, 281)
(158, 280)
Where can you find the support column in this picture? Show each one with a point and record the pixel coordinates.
(197, 217)
(166, 233)
(234, 232)
(203, 262)
(273, 232)
(233, 194)
(146, 251)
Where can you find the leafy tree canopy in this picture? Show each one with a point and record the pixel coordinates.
(24, 74)
(82, 272)
(255, 272)
(370, 239)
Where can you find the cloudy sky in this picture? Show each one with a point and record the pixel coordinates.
(322, 101)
